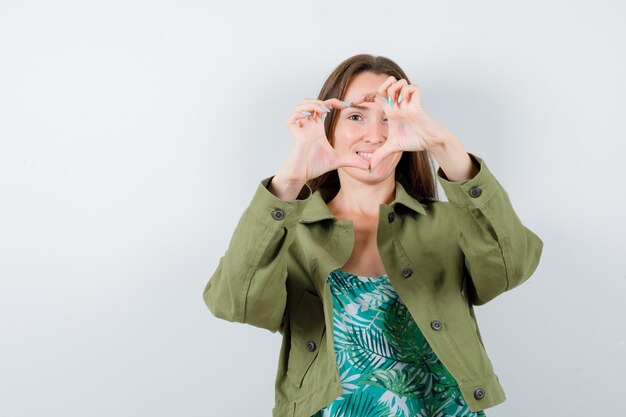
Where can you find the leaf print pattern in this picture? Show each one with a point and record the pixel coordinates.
(386, 366)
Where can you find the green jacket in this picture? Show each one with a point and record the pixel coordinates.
(441, 258)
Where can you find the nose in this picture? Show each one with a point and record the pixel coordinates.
(377, 132)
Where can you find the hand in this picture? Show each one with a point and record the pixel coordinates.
(311, 154)
(410, 128)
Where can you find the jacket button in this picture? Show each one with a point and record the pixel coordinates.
(310, 346)
(475, 191)
(278, 214)
(406, 272)
(391, 216)
(436, 325)
(479, 394)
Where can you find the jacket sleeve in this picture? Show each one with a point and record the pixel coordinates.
(248, 285)
(500, 252)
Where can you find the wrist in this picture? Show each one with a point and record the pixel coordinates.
(445, 148)
(454, 160)
(285, 188)
(287, 177)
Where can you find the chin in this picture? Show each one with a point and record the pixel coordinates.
(381, 172)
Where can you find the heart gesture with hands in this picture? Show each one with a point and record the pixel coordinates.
(410, 128)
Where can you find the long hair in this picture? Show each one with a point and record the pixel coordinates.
(415, 171)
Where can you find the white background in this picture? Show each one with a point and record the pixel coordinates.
(134, 134)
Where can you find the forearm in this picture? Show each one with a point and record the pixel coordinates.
(285, 189)
(454, 160)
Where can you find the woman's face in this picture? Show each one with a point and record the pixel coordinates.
(364, 128)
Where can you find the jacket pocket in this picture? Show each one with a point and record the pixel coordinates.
(307, 329)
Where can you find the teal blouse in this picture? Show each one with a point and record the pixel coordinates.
(387, 367)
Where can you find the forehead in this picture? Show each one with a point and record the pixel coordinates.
(364, 83)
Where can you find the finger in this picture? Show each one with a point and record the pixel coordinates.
(382, 89)
(312, 110)
(305, 112)
(320, 108)
(366, 97)
(331, 103)
(381, 153)
(408, 93)
(297, 118)
(381, 100)
(393, 90)
(356, 100)
(312, 107)
(335, 103)
(359, 99)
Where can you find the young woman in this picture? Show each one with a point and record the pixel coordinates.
(370, 279)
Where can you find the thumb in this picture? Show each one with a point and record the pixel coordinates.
(353, 161)
(380, 154)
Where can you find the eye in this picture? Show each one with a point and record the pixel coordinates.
(354, 115)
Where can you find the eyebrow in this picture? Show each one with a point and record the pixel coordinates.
(357, 107)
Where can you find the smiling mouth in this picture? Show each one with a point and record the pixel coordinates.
(365, 155)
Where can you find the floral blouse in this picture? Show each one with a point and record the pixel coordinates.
(386, 366)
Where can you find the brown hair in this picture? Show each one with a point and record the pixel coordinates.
(415, 170)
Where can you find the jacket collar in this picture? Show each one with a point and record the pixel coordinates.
(316, 209)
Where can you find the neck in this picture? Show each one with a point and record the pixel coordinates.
(362, 199)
